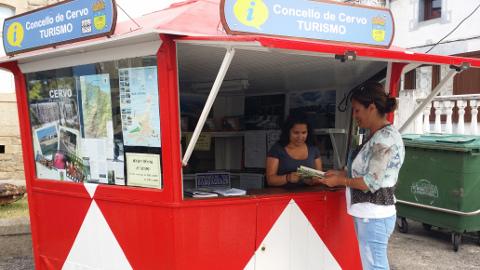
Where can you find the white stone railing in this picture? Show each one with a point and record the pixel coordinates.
(445, 105)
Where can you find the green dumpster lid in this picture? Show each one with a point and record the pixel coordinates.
(453, 142)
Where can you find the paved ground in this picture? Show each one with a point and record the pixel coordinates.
(422, 249)
(16, 252)
(419, 249)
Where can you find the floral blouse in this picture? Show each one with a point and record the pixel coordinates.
(380, 159)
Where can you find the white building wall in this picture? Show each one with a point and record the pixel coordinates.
(412, 33)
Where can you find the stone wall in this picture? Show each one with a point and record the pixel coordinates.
(11, 162)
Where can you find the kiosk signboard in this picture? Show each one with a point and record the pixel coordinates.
(57, 24)
(309, 19)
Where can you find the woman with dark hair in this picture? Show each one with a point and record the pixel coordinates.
(295, 147)
(372, 174)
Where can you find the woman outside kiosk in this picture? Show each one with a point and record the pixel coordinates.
(119, 105)
(372, 174)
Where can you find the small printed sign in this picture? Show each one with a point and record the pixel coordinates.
(204, 141)
(212, 180)
(309, 19)
(58, 24)
(144, 170)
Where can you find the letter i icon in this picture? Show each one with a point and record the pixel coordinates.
(15, 34)
(250, 11)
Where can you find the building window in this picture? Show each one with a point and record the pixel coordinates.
(2, 149)
(410, 79)
(432, 9)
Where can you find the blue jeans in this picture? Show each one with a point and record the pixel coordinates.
(373, 235)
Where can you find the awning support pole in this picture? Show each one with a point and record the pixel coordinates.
(428, 99)
(227, 60)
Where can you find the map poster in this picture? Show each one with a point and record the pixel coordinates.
(139, 106)
(96, 105)
(144, 170)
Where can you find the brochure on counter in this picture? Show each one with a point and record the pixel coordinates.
(214, 192)
(195, 193)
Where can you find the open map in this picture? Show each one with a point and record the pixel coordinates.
(139, 106)
(96, 104)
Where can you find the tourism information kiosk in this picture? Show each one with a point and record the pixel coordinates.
(118, 122)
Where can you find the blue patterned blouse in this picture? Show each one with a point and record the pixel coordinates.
(380, 159)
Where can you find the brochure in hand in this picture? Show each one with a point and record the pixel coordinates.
(307, 172)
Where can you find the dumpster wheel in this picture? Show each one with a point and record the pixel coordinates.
(456, 240)
(403, 225)
(427, 227)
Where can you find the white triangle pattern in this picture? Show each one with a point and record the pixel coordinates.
(95, 246)
(292, 243)
(91, 188)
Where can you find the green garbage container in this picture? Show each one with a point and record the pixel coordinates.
(439, 183)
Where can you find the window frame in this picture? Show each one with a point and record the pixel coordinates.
(429, 12)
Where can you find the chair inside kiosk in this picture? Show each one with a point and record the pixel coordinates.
(260, 89)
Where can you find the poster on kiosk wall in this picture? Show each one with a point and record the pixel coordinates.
(55, 128)
(139, 106)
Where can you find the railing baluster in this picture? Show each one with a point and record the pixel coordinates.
(426, 119)
(461, 104)
(419, 124)
(438, 112)
(474, 121)
(448, 105)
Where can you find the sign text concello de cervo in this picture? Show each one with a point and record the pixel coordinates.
(309, 19)
(60, 23)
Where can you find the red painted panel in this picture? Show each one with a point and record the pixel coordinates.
(268, 213)
(314, 210)
(144, 232)
(60, 218)
(340, 235)
(215, 237)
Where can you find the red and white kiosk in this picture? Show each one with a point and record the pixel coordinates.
(106, 186)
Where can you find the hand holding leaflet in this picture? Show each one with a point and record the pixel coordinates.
(307, 172)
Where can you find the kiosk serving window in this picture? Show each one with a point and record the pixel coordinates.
(260, 90)
(97, 123)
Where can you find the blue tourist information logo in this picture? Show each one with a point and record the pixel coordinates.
(309, 19)
(61, 23)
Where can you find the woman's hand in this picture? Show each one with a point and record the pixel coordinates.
(293, 177)
(334, 178)
(312, 181)
(335, 172)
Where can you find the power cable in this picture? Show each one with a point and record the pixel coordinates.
(453, 30)
(139, 26)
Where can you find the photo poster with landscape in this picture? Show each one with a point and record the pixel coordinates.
(53, 106)
(264, 112)
(139, 106)
(319, 107)
(53, 101)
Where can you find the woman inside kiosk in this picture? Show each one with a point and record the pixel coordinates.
(295, 148)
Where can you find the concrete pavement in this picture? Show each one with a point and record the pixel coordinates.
(419, 249)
